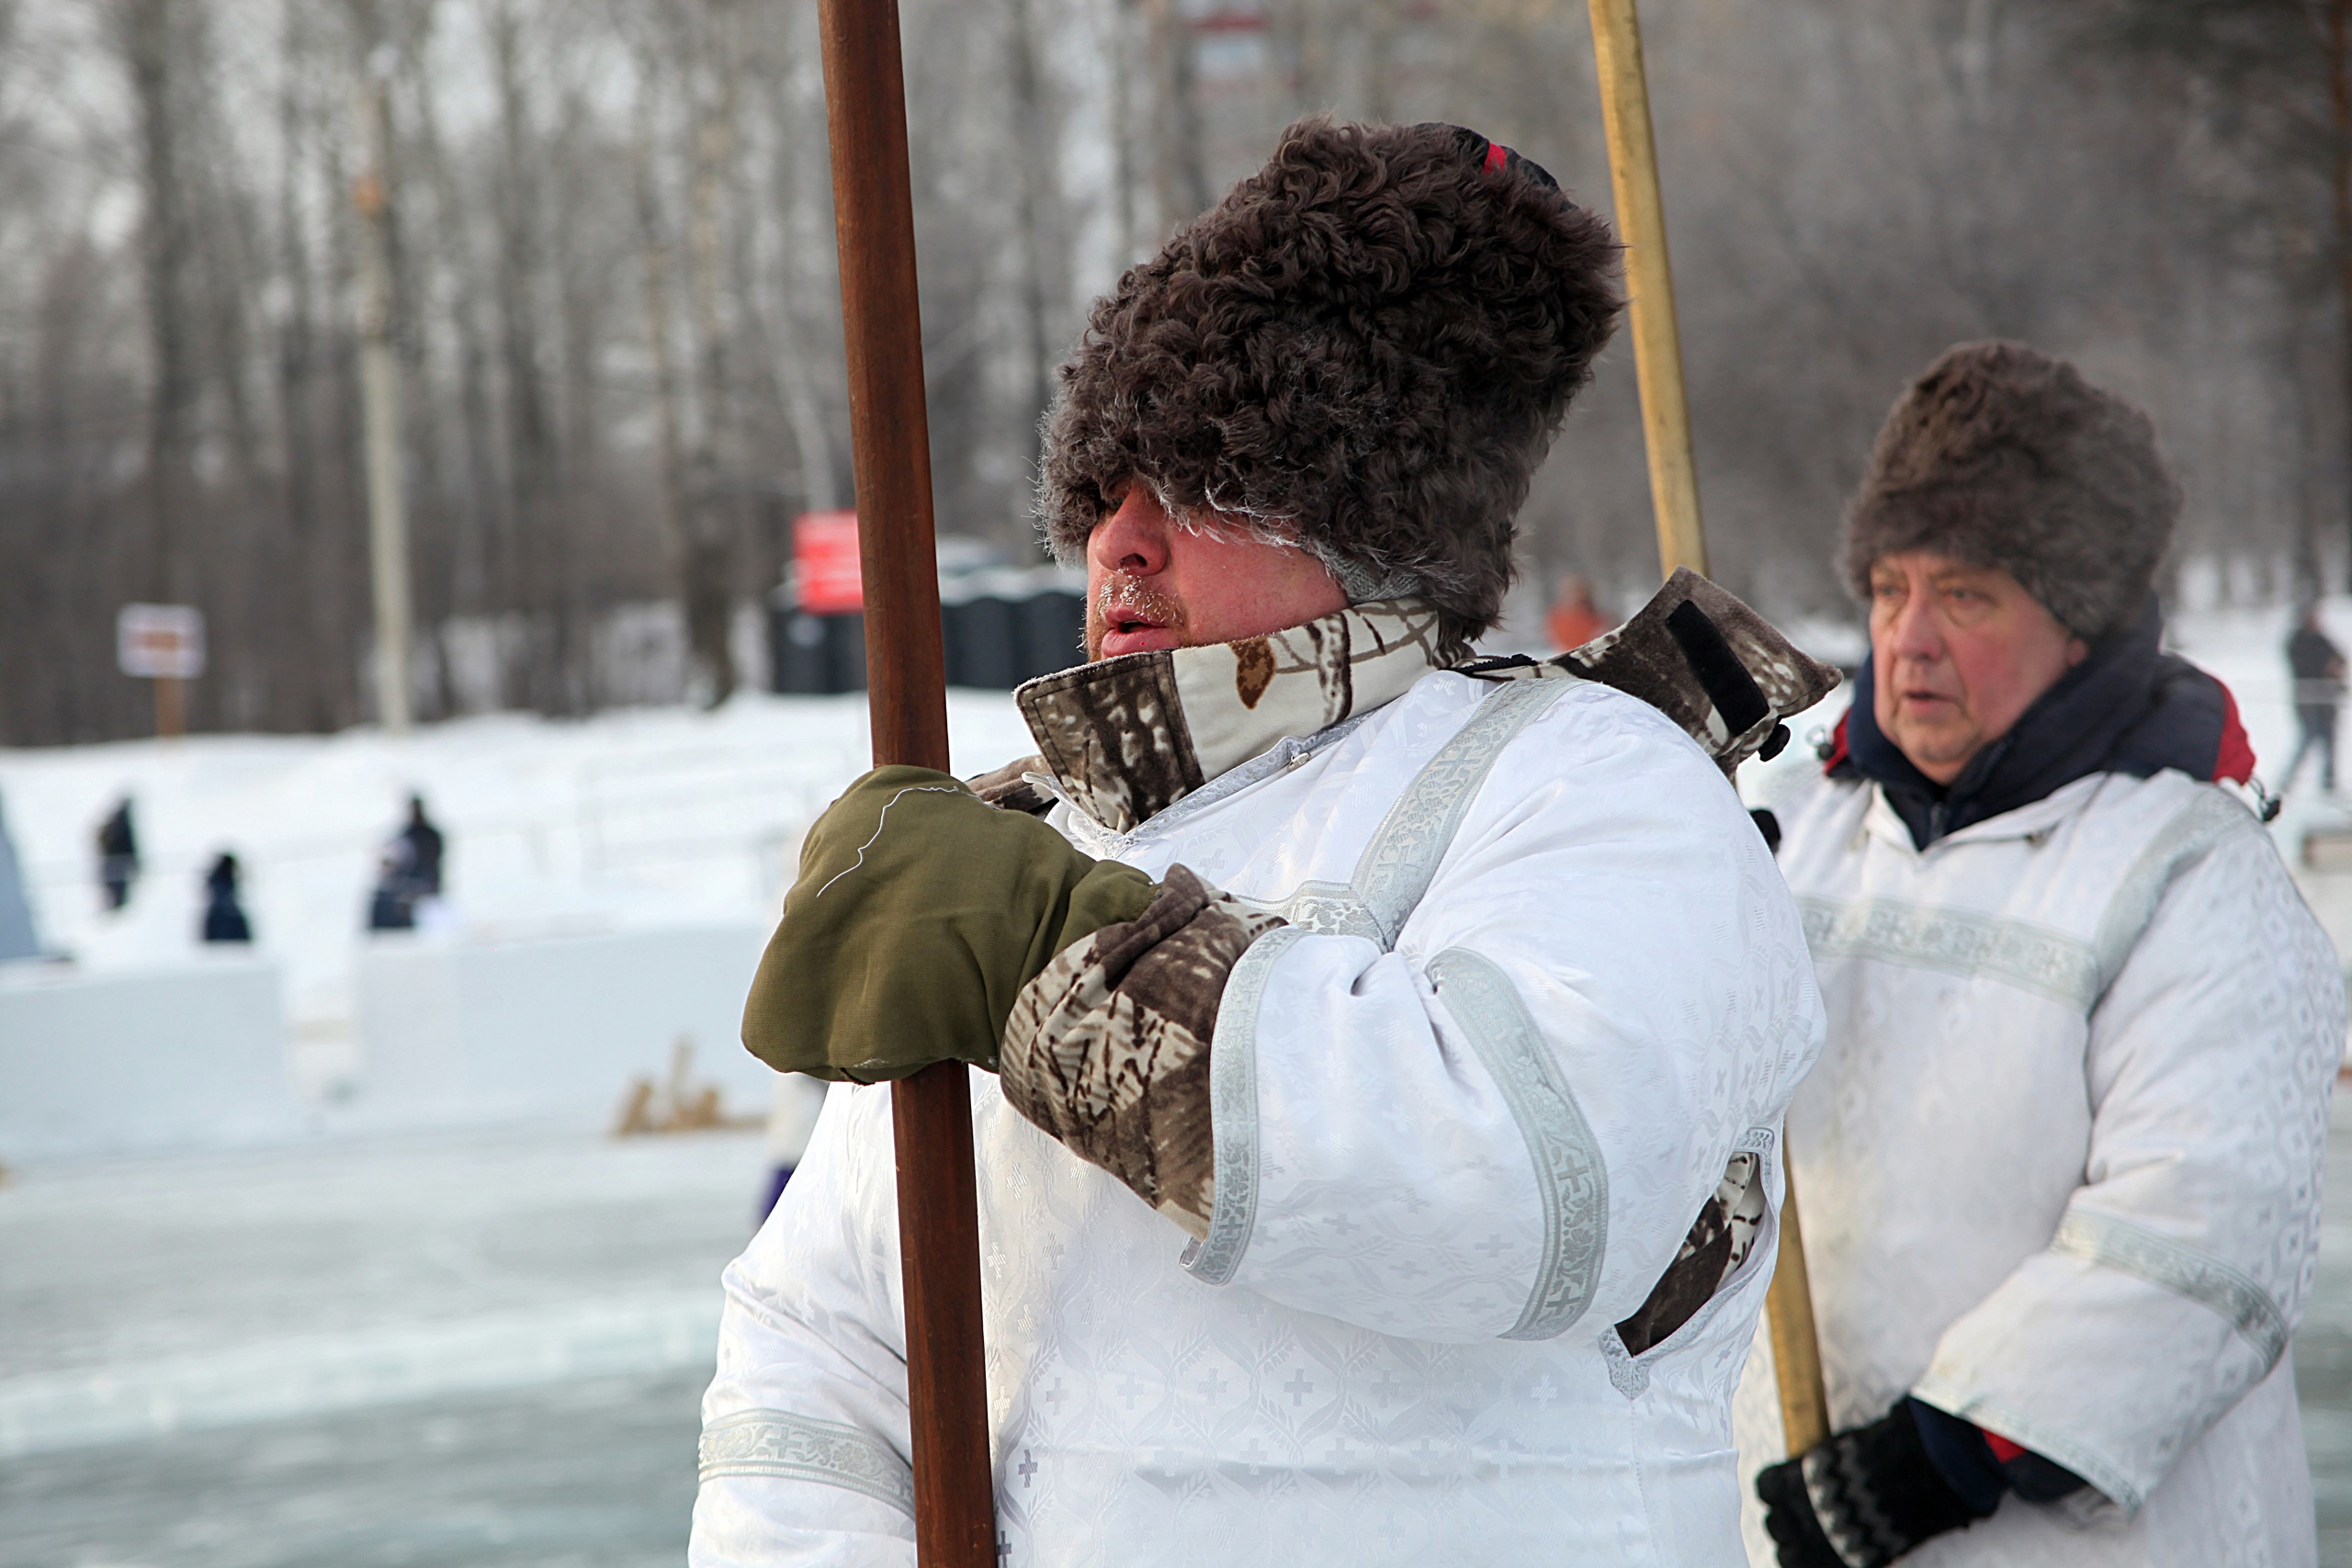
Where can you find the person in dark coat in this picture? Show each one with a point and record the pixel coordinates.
(224, 917)
(424, 841)
(411, 871)
(2318, 667)
(117, 855)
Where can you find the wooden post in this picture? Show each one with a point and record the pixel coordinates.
(938, 1211)
(1674, 496)
(1797, 1342)
(171, 707)
(1658, 341)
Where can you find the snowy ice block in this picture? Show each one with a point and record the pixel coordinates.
(183, 1057)
(454, 1032)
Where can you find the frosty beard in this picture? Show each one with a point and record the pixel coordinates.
(1122, 596)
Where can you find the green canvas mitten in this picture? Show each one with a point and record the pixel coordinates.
(919, 914)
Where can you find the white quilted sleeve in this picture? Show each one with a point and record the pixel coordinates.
(805, 1428)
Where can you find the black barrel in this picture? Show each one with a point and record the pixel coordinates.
(813, 655)
(986, 644)
(1053, 624)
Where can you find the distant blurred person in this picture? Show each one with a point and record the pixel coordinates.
(424, 841)
(1574, 620)
(117, 855)
(391, 906)
(408, 880)
(224, 916)
(2318, 666)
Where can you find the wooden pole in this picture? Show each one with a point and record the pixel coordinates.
(1797, 1342)
(1658, 341)
(938, 1211)
(171, 707)
(1674, 496)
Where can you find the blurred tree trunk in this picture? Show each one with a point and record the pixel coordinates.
(579, 281)
(1179, 170)
(151, 48)
(1121, 26)
(1034, 148)
(2338, 33)
(1380, 23)
(311, 626)
(533, 478)
(1300, 38)
(793, 357)
(480, 580)
(712, 512)
(653, 241)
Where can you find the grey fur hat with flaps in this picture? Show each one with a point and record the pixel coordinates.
(1367, 345)
(2004, 456)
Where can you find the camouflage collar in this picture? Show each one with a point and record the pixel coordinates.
(1127, 737)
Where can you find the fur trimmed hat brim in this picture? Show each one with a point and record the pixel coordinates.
(1367, 347)
(2003, 455)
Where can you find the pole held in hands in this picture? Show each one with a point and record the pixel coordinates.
(1674, 496)
(939, 1245)
(1649, 280)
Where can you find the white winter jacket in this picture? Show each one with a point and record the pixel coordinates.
(2059, 1163)
(1543, 983)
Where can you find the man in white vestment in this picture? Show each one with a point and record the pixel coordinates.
(2059, 1163)
(1380, 1157)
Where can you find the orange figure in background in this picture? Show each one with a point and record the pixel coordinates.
(1574, 620)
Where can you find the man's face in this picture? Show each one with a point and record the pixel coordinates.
(1152, 584)
(1959, 652)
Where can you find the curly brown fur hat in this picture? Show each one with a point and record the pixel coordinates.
(2003, 455)
(1369, 345)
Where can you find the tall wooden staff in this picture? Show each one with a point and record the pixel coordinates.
(939, 1249)
(1674, 496)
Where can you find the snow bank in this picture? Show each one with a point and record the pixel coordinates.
(181, 1058)
(458, 1032)
(635, 818)
(608, 882)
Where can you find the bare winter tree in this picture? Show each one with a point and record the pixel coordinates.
(616, 314)
(2267, 85)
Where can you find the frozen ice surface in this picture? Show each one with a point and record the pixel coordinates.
(166, 1294)
(588, 1475)
(127, 1266)
(480, 1348)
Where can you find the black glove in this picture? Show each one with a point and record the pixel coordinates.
(1863, 1498)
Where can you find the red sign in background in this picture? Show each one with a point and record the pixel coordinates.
(824, 554)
